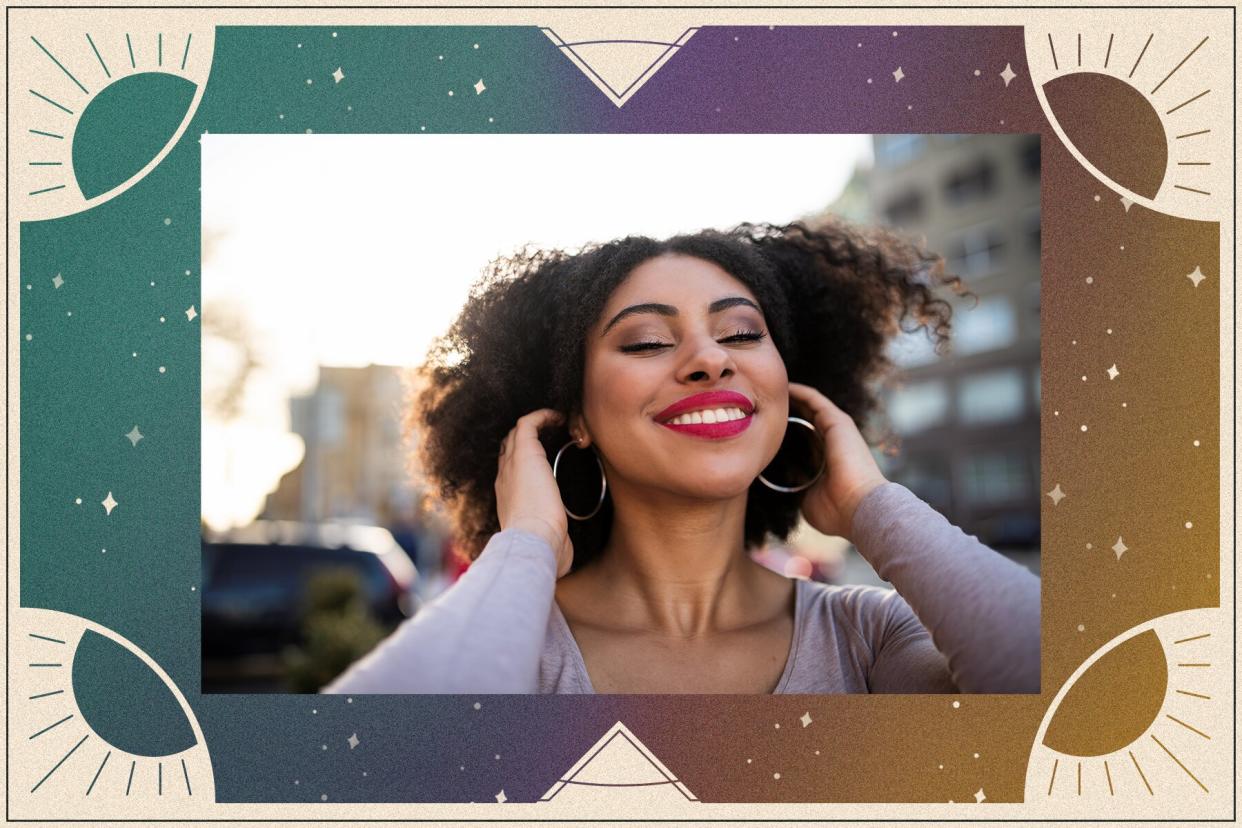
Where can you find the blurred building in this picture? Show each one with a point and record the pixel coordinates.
(968, 422)
(355, 465)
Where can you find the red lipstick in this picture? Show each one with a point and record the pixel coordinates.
(705, 401)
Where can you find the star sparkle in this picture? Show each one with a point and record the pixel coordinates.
(109, 503)
(1119, 548)
(1008, 74)
(134, 435)
(1056, 494)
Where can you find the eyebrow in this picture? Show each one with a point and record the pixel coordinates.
(669, 310)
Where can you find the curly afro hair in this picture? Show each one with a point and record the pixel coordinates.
(833, 295)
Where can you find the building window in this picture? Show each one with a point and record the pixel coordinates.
(992, 397)
(993, 477)
(927, 475)
(905, 209)
(972, 183)
(918, 407)
(1030, 156)
(891, 150)
(976, 252)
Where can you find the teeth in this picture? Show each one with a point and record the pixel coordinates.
(711, 415)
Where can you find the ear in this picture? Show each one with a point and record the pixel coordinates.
(578, 430)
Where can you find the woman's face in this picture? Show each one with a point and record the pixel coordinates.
(684, 391)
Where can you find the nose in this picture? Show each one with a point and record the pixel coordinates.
(707, 360)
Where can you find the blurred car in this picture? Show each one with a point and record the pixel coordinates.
(254, 592)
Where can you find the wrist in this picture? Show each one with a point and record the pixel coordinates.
(540, 528)
(854, 499)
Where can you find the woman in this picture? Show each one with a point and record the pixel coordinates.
(668, 371)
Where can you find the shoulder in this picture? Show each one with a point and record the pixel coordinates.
(869, 613)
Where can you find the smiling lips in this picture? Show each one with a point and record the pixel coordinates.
(713, 415)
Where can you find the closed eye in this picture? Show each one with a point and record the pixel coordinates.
(734, 339)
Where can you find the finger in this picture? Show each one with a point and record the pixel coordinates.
(824, 412)
(526, 431)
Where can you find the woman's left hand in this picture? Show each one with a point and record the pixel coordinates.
(851, 472)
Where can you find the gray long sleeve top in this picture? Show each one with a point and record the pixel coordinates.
(962, 618)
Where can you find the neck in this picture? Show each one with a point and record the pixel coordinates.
(677, 567)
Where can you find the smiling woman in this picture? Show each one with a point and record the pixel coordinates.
(672, 367)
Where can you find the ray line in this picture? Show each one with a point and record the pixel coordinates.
(160, 48)
(130, 44)
(1196, 695)
(1109, 777)
(1140, 57)
(1080, 779)
(52, 725)
(58, 764)
(1193, 134)
(1179, 66)
(45, 695)
(39, 192)
(36, 635)
(101, 60)
(1140, 771)
(1055, 762)
(58, 63)
(1200, 192)
(41, 664)
(101, 767)
(1054, 53)
(1193, 664)
(1188, 727)
(45, 164)
(188, 38)
(1193, 164)
(186, 773)
(1179, 763)
(1183, 103)
(1080, 48)
(69, 111)
(131, 776)
(1204, 635)
(159, 779)
(1109, 52)
(48, 134)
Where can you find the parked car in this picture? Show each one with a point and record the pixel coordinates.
(254, 592)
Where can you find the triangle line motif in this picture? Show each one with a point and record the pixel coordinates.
(638, 69)
(636, 749)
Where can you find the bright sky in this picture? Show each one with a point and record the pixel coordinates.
(350, 250)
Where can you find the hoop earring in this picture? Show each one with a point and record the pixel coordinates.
(603, 488)
(809, 483)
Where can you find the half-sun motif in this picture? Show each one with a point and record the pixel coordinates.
(1136, 108)
(1138, 724)
(104, 108)
(95, 719)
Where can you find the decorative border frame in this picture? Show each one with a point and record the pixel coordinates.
(103, 556)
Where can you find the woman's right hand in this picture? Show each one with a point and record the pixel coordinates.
(527, 497)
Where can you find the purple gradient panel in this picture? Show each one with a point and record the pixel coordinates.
(807, 79)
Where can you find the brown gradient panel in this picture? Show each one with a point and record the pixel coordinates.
(1113, 126)
(871, 748)
(1114, 701)
(1135, 472)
